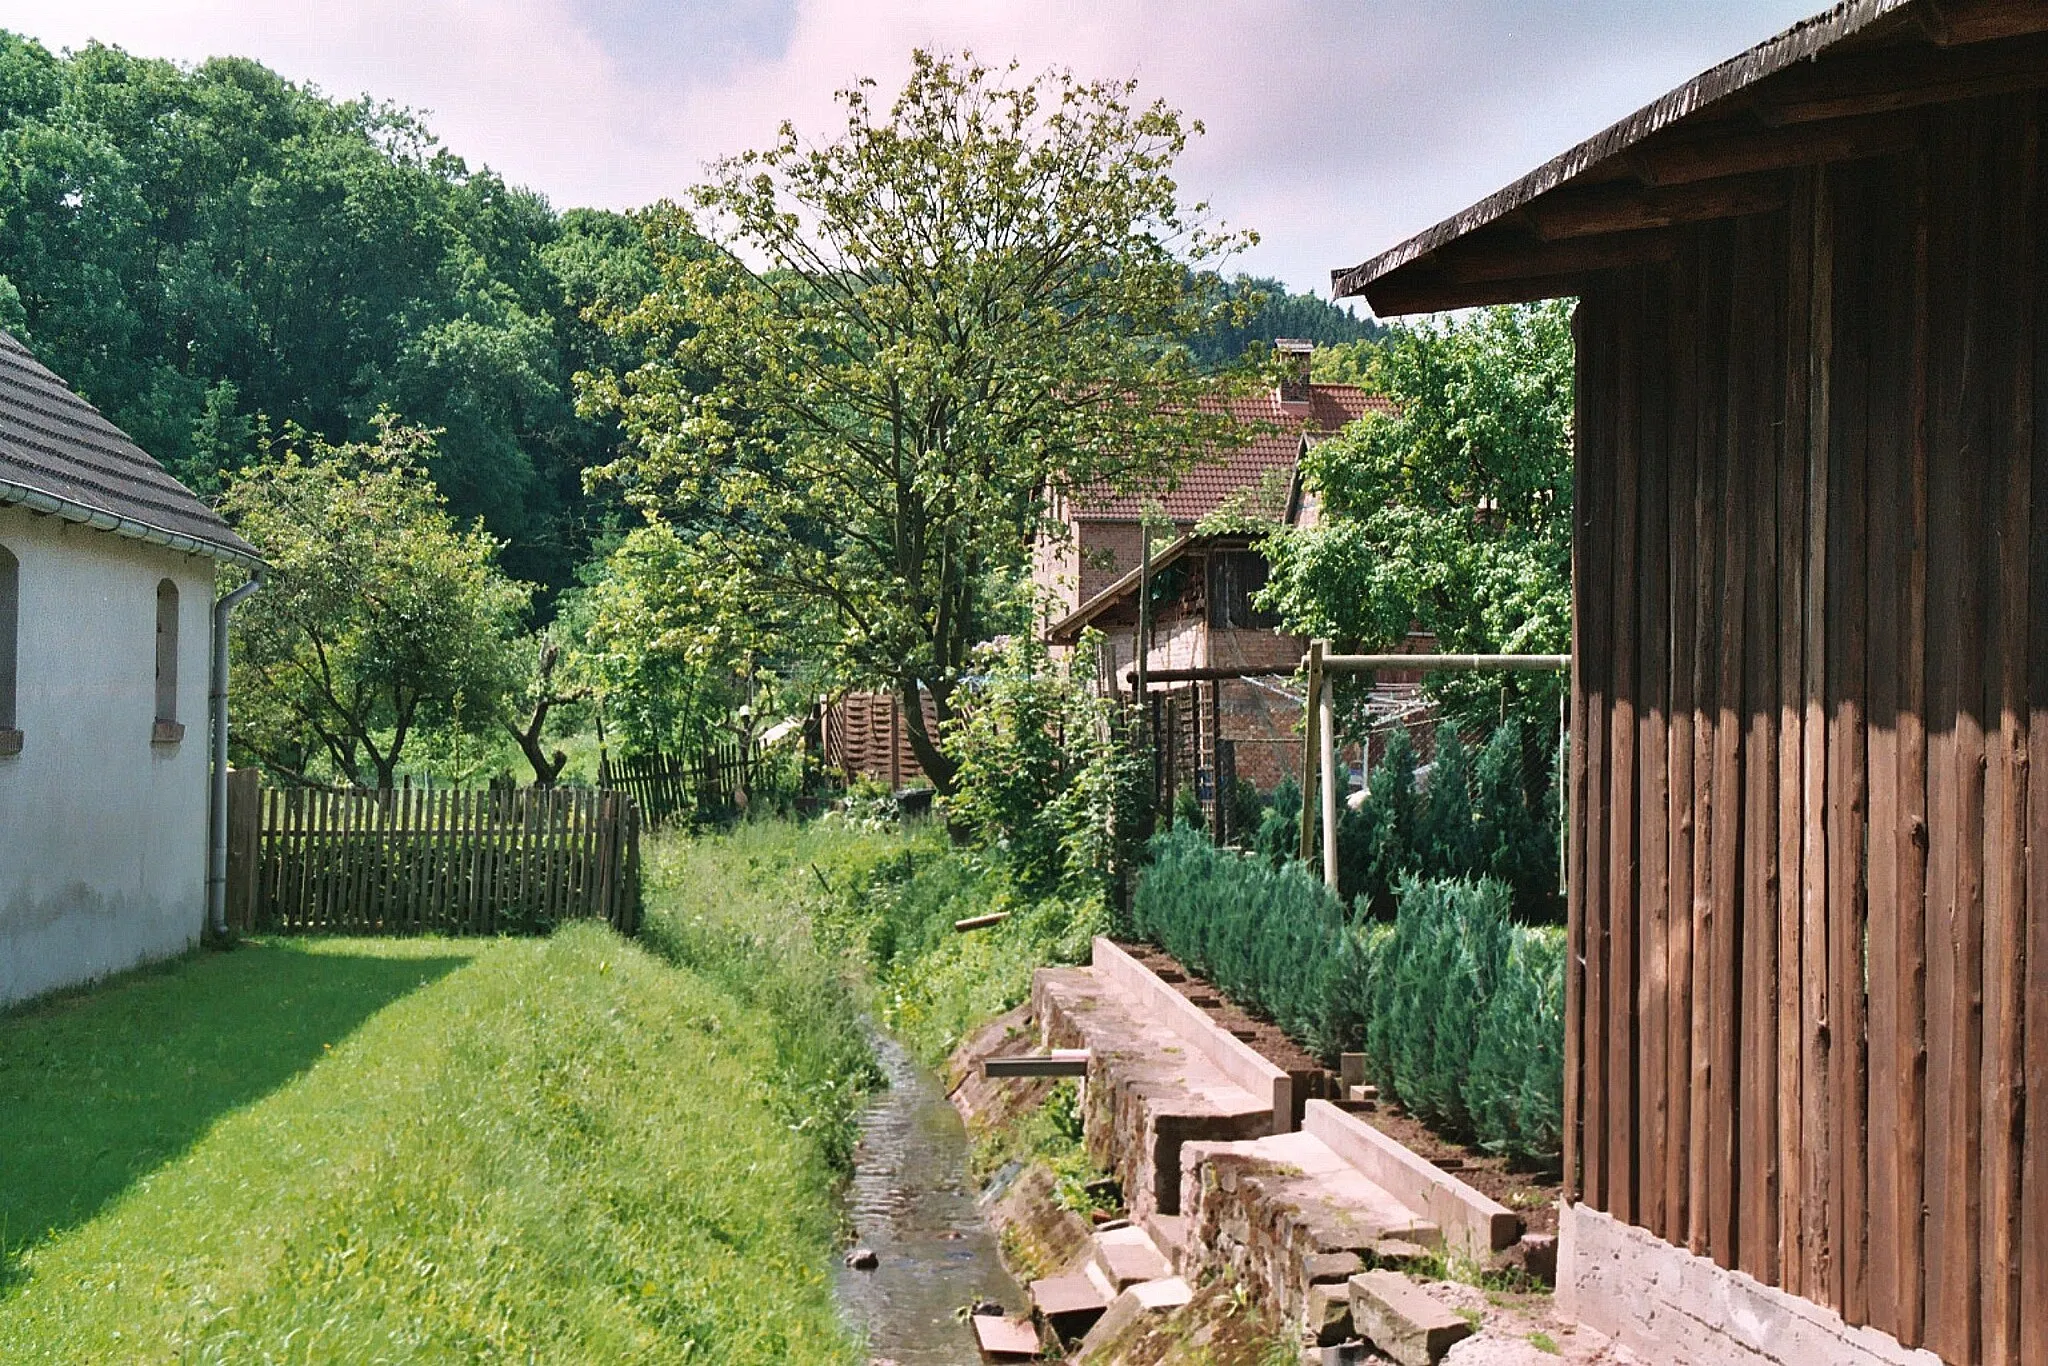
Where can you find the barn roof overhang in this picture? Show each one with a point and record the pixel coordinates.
(1841, 86)
(1124, 588)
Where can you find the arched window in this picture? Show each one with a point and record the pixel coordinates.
(167, 661)
(10, 635)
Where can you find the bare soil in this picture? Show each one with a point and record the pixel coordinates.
(1531, 1194)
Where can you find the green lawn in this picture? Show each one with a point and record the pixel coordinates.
(341, 1151)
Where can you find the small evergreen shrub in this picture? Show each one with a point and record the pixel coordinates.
(1463, 1015)
(1270, 938)
(1459, 1010)
(1467, 817)
(1279, 831)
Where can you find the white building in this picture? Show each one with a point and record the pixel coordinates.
(107, 579)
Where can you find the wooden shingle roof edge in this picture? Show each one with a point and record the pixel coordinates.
(60, 456)
(1831, 87)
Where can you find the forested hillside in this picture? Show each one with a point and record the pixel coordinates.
(212, 253)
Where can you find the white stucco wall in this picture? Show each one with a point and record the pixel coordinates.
(102, 834)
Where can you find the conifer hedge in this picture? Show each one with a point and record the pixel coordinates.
(1459, 1010)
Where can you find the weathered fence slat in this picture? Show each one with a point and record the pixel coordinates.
(432, 862)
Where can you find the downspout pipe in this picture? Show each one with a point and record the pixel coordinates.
(217, 804)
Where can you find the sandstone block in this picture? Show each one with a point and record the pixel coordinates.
(1006, 1339)
(1318, 1267)
(1329, 1314)
(1401, 1320)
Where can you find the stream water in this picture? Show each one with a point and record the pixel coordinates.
(913, 1204)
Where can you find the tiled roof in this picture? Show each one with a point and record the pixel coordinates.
(1202, 489)
(56, 446)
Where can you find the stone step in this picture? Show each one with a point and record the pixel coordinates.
(1069, 1305)
(1472, 1222)
(1149, 1089)
(1170, 1235)
(1401, 1321)
(1006, 1339)
(1284, 1213)
(1127, 1255)
(1146, 1299)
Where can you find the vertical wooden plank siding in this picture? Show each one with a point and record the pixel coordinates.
(1807, 992)
(1753, 421)
(1883, 455)
(1813, 1276)
(2032, 1258)
(1682, 537)
(1789, 799)
(1710, 265)
(1621, 775)
(1651, 1080)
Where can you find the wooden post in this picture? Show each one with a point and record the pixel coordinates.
(1311, 748)
(1144, 646)
(1326, 727)
(245, 809)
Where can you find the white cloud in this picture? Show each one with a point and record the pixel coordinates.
(1334, 128)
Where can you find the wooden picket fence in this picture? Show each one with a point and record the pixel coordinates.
(431, 862)
(668, 787)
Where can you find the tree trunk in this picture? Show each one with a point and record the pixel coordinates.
(923, 743)
(546, 767)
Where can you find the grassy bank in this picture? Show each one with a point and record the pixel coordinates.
(364, 1151)
(880, 902)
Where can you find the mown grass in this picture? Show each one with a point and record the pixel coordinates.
(562, 1150)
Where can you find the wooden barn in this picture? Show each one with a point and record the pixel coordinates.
(1808, 1006)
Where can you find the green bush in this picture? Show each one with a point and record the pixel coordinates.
(1515, 1089)
(1463, 1014)
(1044, 783)
(1459, 1010)
(1271, 938)
(1279, 830)
(1472, 817)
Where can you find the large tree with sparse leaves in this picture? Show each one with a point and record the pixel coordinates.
(868, 360)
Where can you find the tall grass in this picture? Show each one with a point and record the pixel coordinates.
(880, 902)
(563, 1150)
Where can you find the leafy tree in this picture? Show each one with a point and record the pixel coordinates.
(1453, 514)
(529, 704)
(1041, 778)
(211, 253)
(381, 613)
(671, 649)
(905, 337)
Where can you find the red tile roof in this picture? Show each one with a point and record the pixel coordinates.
(1201, 490)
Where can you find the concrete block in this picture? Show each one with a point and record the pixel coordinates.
(1135, 1304)
(1329, 1314)
(1677, 1309)
(1399, 1253)
(1401, 1321)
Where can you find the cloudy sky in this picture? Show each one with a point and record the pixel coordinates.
(1335, 127)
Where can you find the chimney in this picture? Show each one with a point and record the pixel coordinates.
(1294, 355)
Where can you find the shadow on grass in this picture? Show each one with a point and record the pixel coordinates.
(100, 1088)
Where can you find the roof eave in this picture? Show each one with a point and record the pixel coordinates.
(39, 500)
(1399, 281)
